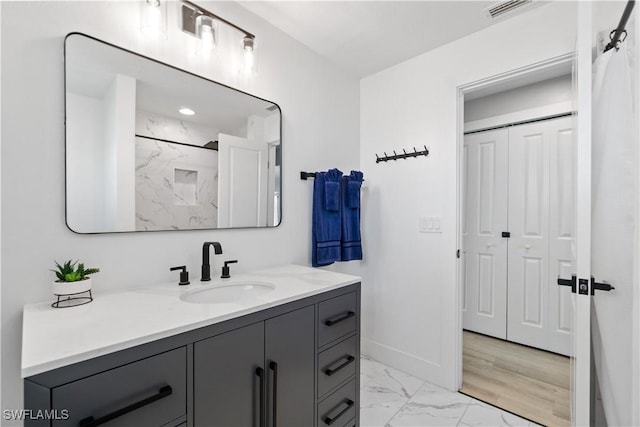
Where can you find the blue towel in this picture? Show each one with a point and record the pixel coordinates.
(350, 244)
(326, 223)
(332, 190)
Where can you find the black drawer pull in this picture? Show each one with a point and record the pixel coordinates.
(260, 374)
(91, 422)
(274, 398)
(340, 318)
(331, 371)
(328, 420)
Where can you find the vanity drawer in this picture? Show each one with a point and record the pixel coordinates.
(338, 317)
(336, 365)
(149, 392)
(339, 407)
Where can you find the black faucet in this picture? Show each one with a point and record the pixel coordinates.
(206, 267)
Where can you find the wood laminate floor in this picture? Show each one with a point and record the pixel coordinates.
(528, 382)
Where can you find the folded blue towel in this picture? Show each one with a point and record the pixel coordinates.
(353, 189)
(326, 224)
(332, 190)
(350, 242)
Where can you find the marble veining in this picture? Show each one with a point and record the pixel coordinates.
(176, 186)
(157, 126)
(389, 398)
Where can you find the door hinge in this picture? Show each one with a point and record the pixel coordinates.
(458, 253)
(506, 234)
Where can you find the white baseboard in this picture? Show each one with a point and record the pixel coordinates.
(423, 369)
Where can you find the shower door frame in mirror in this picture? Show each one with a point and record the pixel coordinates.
(134, 162)
(581, 355)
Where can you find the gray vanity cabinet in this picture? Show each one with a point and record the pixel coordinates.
(292, 365)
(265, 366)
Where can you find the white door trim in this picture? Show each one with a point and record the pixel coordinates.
(539, 67)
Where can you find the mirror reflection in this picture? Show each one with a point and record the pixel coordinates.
(152, 147)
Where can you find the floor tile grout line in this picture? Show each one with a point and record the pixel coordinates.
(405, 403)
(465, 411)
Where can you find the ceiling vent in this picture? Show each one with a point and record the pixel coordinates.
(504, 7)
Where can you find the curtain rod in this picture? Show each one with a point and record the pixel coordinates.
(620, 29)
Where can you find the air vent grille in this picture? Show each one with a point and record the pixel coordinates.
(501, 8)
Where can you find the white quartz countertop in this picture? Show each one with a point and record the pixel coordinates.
(57, 337)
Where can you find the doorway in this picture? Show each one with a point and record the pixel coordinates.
(516, 220)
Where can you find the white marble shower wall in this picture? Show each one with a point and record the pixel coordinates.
(176, 184)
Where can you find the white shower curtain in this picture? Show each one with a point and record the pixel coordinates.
(614, 190)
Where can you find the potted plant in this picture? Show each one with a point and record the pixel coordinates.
(71, 279)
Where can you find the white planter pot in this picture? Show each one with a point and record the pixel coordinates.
(70, 288)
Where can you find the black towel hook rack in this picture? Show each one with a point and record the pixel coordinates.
(406, 155)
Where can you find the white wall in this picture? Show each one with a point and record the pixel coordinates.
(528, 97)
(320, 130)
(410, 317)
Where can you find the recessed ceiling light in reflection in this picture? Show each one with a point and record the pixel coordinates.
(186, 111)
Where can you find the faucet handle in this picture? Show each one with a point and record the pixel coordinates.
(226, 270)
(184, 274)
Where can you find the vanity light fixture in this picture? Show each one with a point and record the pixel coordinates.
(153, 18)
(206, 32)
(186, 111)
(203, 25)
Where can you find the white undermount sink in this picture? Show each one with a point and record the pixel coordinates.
(225, 293)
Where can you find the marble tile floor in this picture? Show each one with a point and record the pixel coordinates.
(390, 398)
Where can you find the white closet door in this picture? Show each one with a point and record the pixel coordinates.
(562, 225)
(484, 300)
(541, 216)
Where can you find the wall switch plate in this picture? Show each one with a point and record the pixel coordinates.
(430, 224)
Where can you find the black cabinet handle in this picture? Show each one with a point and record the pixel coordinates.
(91, 422)
(331, 371)
(328, 420)
(340, 318)
(260, 374)
(274, 399)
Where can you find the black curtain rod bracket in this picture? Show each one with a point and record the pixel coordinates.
(620, 29)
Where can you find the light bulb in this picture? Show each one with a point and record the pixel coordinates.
(206, 32)
(248, 48)
(153, 18)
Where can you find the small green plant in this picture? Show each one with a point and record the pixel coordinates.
(68, 272)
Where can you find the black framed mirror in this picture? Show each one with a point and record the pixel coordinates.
(152, 147)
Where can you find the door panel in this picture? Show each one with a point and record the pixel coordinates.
(290, 342)
(231, 360)
(242, 182)
(541, 221)
(529, 226)
(484, 307)
(561, 233)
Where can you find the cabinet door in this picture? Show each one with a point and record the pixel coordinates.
(290, 352)
(226, 386)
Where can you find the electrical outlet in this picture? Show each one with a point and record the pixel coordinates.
(430, 224)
